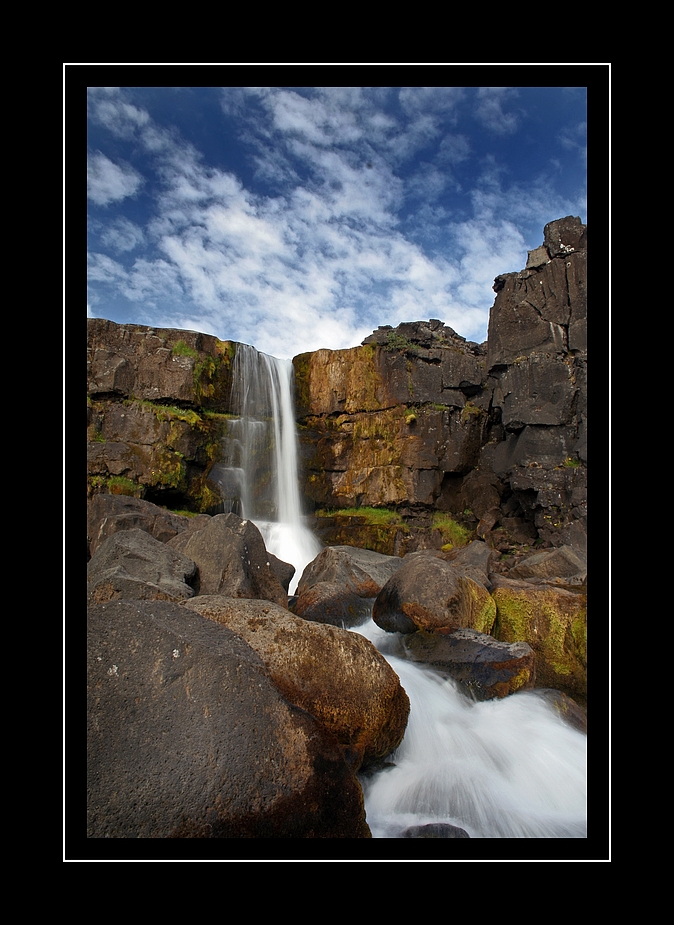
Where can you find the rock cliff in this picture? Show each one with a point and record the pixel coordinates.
(417, 420)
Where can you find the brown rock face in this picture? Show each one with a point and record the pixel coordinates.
(157, 364)
(189, 738)
(337, 676)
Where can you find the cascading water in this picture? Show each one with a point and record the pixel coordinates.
(259, 474)
(508, 768)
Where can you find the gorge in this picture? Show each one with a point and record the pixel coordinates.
(417, 448)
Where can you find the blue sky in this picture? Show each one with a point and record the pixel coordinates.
(294, 218)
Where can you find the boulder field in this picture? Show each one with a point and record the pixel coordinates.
(226, 714)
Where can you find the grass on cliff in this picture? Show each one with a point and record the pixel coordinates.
(377, 516)
(453, 533)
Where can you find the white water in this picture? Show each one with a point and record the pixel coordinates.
(509, 768)
(260, 472)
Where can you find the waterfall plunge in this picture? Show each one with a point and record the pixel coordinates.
(259, 476)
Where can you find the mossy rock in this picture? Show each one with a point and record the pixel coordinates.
(553, 620)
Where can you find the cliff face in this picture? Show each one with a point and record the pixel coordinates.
(416, 419)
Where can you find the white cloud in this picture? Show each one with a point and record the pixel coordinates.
(108, 182)
(122, 235)
(491, 113)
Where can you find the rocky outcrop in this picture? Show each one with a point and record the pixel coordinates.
(418, 418)
(189, 737)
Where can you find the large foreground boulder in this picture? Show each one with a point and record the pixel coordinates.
(188, 737)
(337, 676)
(133, 565)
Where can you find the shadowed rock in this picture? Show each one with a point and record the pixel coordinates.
(132, 565)
(188, 737)
(232, 559)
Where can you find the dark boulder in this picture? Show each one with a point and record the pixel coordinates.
(433, 591)
(435, 830)
(188, 737)
(335, 586)
(487, 667)
(232, 560)
(108, 514)
(133, 565)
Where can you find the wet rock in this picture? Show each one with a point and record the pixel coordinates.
(487, 667)
(553, 620)
(433, 593)
(435, 830)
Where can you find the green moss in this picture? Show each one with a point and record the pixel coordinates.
(181, 349)
(469, 411)
(395, 341)
(204, 373)
(119, 485)
(373, 516)
(168, 412)
(453, 533)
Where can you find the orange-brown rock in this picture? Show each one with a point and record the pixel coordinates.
(337, 676)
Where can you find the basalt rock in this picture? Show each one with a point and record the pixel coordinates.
(189, 737)
(337, 676)
(552, 618)
(486, 667)
(132, 565)
(232, 559)
(435, 592)
(336, 586)
(108, 514)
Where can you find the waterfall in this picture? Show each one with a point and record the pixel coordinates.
(259, 477)
(508, 768)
